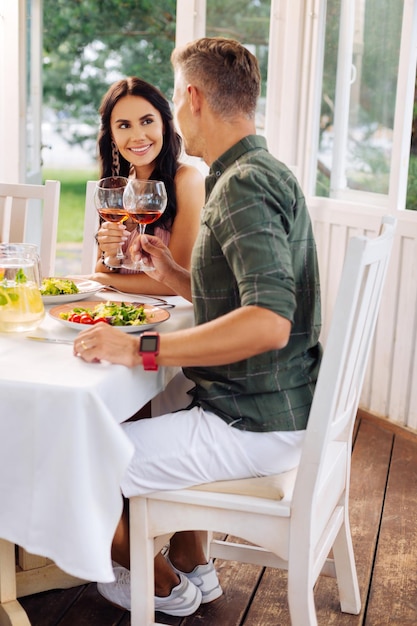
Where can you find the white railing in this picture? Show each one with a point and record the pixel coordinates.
(390, 388)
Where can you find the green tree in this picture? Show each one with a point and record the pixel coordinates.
(244, 20)
(414, 129)
(88, 44)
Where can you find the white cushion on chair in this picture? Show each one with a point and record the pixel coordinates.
(274, 487)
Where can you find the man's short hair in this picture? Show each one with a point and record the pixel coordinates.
(225, 71)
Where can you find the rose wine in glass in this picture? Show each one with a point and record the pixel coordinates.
(108, 200)
(144, 202)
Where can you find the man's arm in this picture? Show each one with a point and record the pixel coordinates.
(240, 334)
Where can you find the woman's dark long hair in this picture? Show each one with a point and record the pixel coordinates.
(167, 162)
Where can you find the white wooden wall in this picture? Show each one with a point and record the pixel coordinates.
(390, 388)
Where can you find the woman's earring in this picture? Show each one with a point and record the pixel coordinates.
(115, 163)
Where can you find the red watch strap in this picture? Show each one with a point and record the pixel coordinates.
(148, 360)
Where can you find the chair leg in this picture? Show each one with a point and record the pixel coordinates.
(300, 577)
(141, 566)
(301, 598)
(346, 575)
(11, 612)
(206, 538)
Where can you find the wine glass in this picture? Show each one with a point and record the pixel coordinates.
(144, 202)
(108, 200)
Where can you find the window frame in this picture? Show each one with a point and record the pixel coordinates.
(296, 48)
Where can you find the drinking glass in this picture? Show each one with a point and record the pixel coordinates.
(144, 202)
(108, 200)
(21, 304)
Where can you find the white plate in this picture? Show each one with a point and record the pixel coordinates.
(86, 288)
(154, 315)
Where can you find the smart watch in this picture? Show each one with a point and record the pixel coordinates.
(149, 349)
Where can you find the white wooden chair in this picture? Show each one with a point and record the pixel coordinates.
(16, 201)
(91, 223)
(298, 517)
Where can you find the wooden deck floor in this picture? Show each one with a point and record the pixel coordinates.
(383, 516)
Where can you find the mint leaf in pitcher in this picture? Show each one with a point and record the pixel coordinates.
(21, 276)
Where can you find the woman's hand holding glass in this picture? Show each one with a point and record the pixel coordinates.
(108, 200)
(110, 238)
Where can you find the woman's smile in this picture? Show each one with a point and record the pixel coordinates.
(140, 151)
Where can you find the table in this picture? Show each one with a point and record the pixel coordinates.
(62, 452)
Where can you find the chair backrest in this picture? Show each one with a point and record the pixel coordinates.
(91, 223)
(16, 201)
(337, 393)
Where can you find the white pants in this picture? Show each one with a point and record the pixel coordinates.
(190, 447)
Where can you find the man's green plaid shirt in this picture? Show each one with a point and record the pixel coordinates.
(256, 247)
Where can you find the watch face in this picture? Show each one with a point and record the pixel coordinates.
(149, 343)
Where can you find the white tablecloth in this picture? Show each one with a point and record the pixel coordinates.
(62, 452)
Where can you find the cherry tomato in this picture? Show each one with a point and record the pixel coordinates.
(100, 319)
(74, 317)
(86, 319)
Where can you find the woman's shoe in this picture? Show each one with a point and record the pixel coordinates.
(183, 600)
(205, 578)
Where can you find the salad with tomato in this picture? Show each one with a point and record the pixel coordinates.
(113, 313)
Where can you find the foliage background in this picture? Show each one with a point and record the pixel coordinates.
(89, 44)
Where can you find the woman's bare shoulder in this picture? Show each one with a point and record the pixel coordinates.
(188, 174)
(189, 189)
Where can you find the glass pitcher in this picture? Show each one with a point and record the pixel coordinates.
(21, 304)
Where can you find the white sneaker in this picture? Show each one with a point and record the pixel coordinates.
(183, 600)
(205, 578)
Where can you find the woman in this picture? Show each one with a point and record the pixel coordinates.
(137, 139)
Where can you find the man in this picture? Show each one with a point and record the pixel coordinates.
(253, 356)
